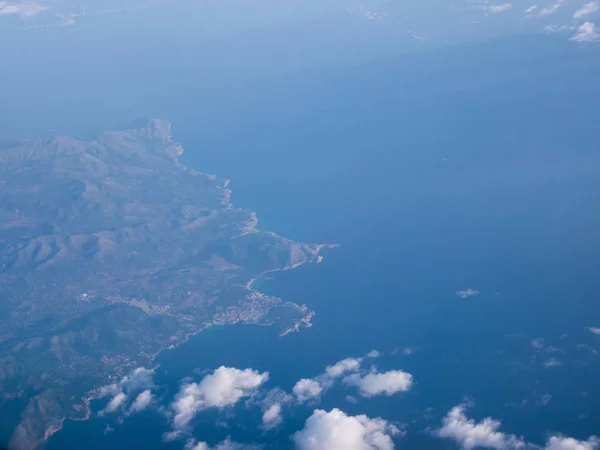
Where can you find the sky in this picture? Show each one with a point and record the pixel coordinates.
(436, 22)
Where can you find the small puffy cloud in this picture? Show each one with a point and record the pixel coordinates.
(469, 434)
(537, 343)
(373, 354)
(224, 387)
(136, 380)
(371, 384)
(271, 397)
(272, 405)
(594, 330)
(534, 11)
(227, 385)
(550, 9)
(108, 390)
(495, 9)
(21, 9)
(312, 389)
(272, 416)
(387, 383)
(307, 389)
(335, 430)
(567, 443)
(227, 444)
(141, 402)
(466, 293)
(193, 445)
(116, 402)
(558, 28)
(275, 395)
(552, 362)
(587, 9)
(343, 367)
(140, 378)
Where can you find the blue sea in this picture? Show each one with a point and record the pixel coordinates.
(463, 167)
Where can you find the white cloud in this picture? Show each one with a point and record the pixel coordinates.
(193, 445)
(531, 9)
(465, 293)
(275, 395)
(495, 9)
(141, 402)
(485, 434)
(272, 416)
(537, 343)
(586, 33)
(567, 443)
(372, 384)
(469, 434)
(558, 28)
(272, 405)
(552, 362)
(335, 430)
(594, 330)
(387, 383)
(588, 8)
(108, 390)
(550, 9)
(224, 387)
(227, 444)
(140, 378)
(307, 389)
(343, 367)
(373, 354)
(116, 402)
(21, 9)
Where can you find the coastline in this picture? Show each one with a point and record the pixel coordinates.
(162, 130)
(252, 227)
(317, 260)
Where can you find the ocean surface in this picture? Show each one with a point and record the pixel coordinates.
(473, 167)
